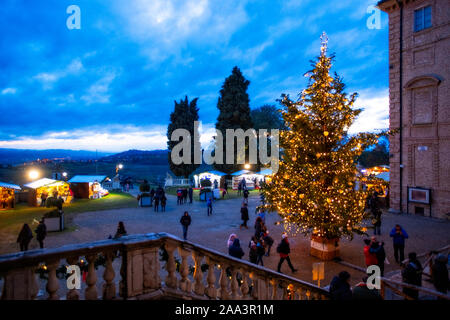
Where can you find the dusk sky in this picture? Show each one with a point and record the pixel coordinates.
(111, 84)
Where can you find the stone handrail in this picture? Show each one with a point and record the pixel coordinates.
(141, 272)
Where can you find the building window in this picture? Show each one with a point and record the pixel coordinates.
(422, 18)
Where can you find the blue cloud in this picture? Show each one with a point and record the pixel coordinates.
(132, 59)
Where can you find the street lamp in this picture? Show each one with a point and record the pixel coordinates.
(119, 167)
(64, 174)
(247, 166)
(33, 174)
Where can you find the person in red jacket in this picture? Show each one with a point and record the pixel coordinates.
(371, 258)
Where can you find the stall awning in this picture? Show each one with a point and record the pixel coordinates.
(241, 172)
(87, 179)
(383, 175)
(10, 186)
(44, 182)
(213, 172)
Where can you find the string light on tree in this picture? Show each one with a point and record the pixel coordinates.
(313, 189)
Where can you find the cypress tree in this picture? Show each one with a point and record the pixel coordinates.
(234, 108)
(183, 117)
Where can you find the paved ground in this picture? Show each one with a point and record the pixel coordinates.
(425, 233)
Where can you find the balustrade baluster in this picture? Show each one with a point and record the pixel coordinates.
(223, 281)
(109, 287)
(274, 289)
(254, 286)
(234, 285)
(300, 293)
(91, 280)
(185, 283)
(308, 295)
(199, 288)
(171, 279)
(244, 284)
(73, 294)
(210, 290)
(52, 282)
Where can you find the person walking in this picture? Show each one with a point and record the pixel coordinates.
(156, 209)
(253, 252)
(268, 241)
(163, 203)
(239, 188)
(260, 252)
(244, 216)
(284, 250)
(185, 223)
(412, 274)
(398, 235)
(25, 236)
(245, 193)
(41, 233)
(225, 186)
(340, 287)
(120, 230)
(209, 206)
(191, 194)
(179, 196)
(44, 197)
(152, 195)
(235, 249)
(439, 274)
(185, 195)
(370, 257)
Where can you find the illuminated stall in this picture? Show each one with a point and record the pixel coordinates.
(44, 188)
(240, 175)
(216, 177)
(263, 176)
(88, 187)
(7, 195)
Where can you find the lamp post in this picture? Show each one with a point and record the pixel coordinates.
(247, 166)
(119, 167)
(64, 174)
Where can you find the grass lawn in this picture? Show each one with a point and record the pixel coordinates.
(11, 221)
(232, 194)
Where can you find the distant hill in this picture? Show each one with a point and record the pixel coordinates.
(155, 157)
(16, 156)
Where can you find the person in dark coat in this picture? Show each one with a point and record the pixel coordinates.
(412, 274)
(362, 292)
(24, 237)
(260, 252)
(244, 216)
(398, 235)
(191, 194)
(439, 274)
(284, 250)
(41, 233)
(268, 242)
(235, 249)
(253, 250)
(152, 195)
(163, 203)
(209, 206)
(259, 226)
(156, 200)
(378, 248)
(246, 194)
(340, 287)
(120, 230)
(185, 223)
(185, 195)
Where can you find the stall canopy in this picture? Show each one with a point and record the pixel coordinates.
(384, 176)
(240, 173)
(44, 182)
(87, 179)
(265, 172)
(9, 186)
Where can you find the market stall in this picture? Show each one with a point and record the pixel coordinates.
(246, 175)
(7, 195)
(88, 187)
(263, 176)
(40, 190)
(217, 178)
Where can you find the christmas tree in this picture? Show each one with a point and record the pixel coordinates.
(315, 189)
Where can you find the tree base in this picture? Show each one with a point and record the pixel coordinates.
(323, 248)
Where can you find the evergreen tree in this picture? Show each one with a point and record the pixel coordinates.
(183, 117)
(314, 189)
(234, 108)
(267, 117)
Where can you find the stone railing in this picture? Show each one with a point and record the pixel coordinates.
(150, 266)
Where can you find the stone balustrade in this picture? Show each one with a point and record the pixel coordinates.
(149, 266)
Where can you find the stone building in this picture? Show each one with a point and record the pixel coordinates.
(419, 98)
